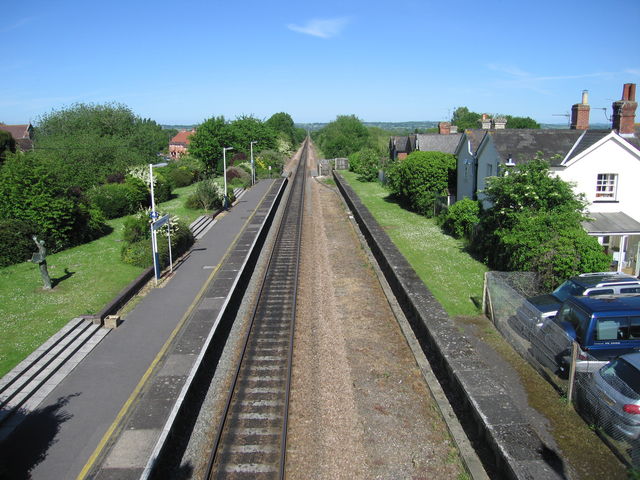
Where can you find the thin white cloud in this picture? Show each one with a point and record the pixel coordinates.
(633, 71)
(323, 28)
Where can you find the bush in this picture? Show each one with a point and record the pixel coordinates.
(119, 199)
(138, 252)
(136, 227)
(181, 177)
(16, 244)
(461, 217)
(206, 196)
(161, 188)
(366, 164)
(238, 177)
(33, 192)
(418, 179)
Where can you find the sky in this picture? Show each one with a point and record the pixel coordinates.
(182, 62)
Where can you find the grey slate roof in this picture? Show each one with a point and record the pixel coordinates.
(611, 222)
(401, 144)
(475, 137)
(435, 142)
(589, 138)
(524, 144)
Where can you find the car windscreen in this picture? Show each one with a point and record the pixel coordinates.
(622, 376)
(567, 289)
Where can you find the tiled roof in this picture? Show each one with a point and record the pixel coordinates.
(611, 222)
(475, 137)
(17, 131)
(435, 142)
(590, 138)
(401, 144)
(524, 144)
(181, 138)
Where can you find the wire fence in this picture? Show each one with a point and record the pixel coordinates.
(605, 394)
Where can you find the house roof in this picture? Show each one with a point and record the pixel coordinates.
(401, 144)
(590, 138)
(524, 144)
(17, 131)
(435, 142)
(182, 137)
(475, 137)
(611, 223)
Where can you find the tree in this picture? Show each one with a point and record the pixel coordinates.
(521, 122)
(342, 137)
(464, 119)
(207, 142)
(421, 177)
(366, 164)
(282, 123)
(86, 143)
(535, 224)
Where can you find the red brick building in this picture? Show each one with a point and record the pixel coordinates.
(179, 145)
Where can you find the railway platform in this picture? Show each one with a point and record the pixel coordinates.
(110, 416)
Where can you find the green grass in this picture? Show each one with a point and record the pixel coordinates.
(90, 276)
(452, 275)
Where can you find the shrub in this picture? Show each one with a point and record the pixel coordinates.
(119, 199)
(418, 179)
(181, 177)
(206, 196)
(136, 227)
(16, 244)
(461, 217)
(33, 192)
(138, 252)
(366, 164)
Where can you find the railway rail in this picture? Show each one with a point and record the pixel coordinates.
(251, 439)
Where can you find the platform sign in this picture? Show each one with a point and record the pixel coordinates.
(160, 222)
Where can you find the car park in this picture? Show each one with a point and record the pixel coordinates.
(611, 397)
(535, 310)
(604, 327)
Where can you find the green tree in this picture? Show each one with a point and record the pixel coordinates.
(87, 143)
(207, 142)
(342, 137)
(366, 164)
(521, 122)
(465, 119)
(421, 177)
(535, 224)
(283, 124)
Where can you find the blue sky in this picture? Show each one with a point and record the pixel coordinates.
(183, 62)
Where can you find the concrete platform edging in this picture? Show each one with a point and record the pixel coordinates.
(234, 295)
(518, 451)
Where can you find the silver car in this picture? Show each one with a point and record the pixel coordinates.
(612, 396)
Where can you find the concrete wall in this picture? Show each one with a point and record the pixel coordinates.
(486, 408)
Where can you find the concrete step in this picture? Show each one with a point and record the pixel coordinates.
(201, 225)
(26, 386)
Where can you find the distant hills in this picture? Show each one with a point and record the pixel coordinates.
(400, 127)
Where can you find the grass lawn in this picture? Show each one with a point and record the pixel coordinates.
(88, 277)
(452, 275)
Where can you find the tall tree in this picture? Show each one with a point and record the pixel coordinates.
(7, 144)
(465, 119)
(283, 124)
(342, 137)
(521, 122)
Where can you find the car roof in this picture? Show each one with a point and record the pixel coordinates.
(592, 280)
(633, 359)
(622, 304)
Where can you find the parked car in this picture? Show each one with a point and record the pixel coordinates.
(604, 327)
(537, 309)
(611, 397)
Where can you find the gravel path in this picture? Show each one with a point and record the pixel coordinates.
(360, 407)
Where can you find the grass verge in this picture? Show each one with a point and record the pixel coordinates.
(453, 276)
(86, 277)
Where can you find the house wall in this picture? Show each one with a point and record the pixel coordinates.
(488, 165)
(465, 172)
(612, 156)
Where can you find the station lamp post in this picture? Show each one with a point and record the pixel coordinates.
(224, 168)
(154, 216)
(253, 167)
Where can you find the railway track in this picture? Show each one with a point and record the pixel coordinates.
(251, 440)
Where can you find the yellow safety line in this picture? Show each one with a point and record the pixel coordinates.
(127, 405)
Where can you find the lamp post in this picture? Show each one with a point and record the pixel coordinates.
(224, 168)
(154, 217)
(253, 168)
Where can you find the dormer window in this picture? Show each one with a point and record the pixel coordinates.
(606, 186)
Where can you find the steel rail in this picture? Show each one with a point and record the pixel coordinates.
(281, 268)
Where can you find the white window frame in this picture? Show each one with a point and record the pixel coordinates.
(606, 186)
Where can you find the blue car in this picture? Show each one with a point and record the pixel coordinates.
(604, 327)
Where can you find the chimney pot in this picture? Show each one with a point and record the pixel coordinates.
(444, 128)
(580, 113)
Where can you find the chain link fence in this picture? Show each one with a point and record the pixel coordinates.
(605, 394)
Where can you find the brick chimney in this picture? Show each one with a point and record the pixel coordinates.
(485, 122)
(580, 113)
(624, 111)
(444, 128)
